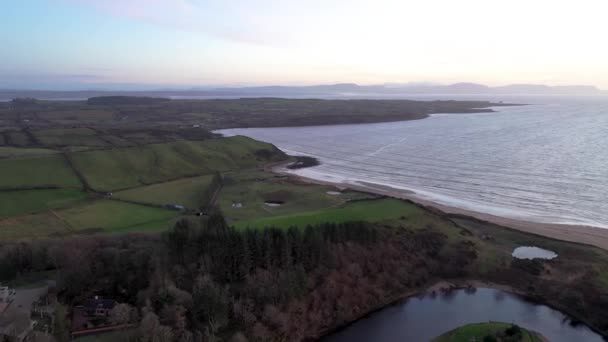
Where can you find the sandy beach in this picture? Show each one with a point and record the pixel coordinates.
(593, 236)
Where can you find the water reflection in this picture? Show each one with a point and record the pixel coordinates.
(528, 252)
(423, 318)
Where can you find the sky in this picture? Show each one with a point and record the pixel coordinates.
(141, 44)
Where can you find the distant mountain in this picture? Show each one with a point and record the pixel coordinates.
(340, 89)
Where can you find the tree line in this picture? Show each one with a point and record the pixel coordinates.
(206, 281)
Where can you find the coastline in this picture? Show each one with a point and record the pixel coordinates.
(441, 286)
(593, 236)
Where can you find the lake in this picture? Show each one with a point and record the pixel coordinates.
(531, 253)
(545, 162)
(423, 318)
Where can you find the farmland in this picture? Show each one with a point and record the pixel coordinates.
(220, 113)
(115, 169)
(13, 152)
(69, 137)
(370, 210)
(244, 194)
(83, 165)
(42, 171)
(39, 225)
(111, 169)
(58, 180)
(188, 192)
(14, 203)
(114, 216)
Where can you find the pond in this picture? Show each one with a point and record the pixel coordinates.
(527, 252)
(426, 317)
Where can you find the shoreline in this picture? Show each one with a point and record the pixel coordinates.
(591, 236)
(441, 286)
(587, 235)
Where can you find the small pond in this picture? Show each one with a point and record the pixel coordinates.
(528, 252)
(423, 318)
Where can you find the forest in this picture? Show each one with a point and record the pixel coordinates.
(206, 281)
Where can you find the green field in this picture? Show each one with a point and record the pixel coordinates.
(32, 226)
(30, 201)
(260, 187)
(51, 170)
(69, 137)
(77, 116)
(188, 192)
(115, 216)
(477, 332)
(45, 197)
(123, 168)
(373, 210)
(18, 138)
(13, 152)
(494, 255)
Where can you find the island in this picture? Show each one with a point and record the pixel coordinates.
(490, 332)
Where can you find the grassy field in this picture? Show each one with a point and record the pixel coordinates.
(69, 137)
(14, 203)
(115, 216)
(477, 332)
(124, 168)
(188, 192)
(37, 225)
(496, 254)
(18, 138)
(78, 116)
(51, 170)
(13, 152)
(228, 113)
(373, 210)
(46, 196)
(252, 189)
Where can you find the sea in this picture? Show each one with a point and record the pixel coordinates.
(545, 161)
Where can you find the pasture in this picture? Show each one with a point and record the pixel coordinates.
(14, 203)
(372, 210)
(252, 189)
(123, 168)
(19, 139)
(38, 225)
(70, 137)
(42, 171)
(14, 152)
(188, 192)
(115, 216)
